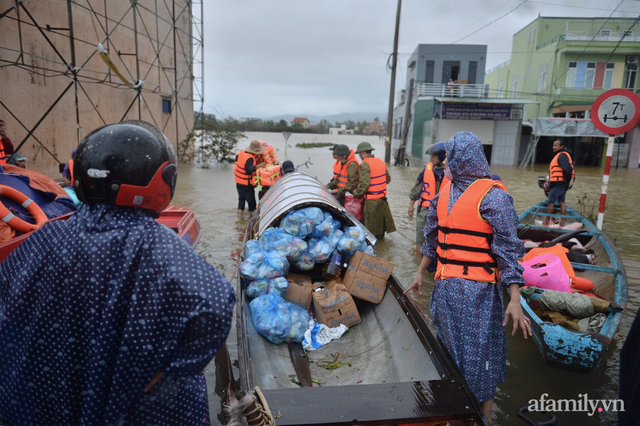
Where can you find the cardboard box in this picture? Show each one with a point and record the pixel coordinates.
(299, 291)
(366, 277)
(333, 305)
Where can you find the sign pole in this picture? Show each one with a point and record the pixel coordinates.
(286, 142)
(605, 181)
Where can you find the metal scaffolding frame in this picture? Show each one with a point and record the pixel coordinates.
(66, 66)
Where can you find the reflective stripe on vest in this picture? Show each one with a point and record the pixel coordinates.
(429, 186)
(556, 174)
(266, 176)
(336, 170)
(378, 178)
(343, 174)
(464, 237)
(242, 177)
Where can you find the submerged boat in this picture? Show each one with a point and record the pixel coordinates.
(393, 371)
(561, 347)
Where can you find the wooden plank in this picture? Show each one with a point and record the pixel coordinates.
(370, 404)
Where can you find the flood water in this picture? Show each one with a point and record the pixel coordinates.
(211, 193)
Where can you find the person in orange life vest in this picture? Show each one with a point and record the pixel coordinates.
(560, 174)
(472, 232)
(373, 187)
(336, 165)
(244, 169)
(427, 186)
(348, 172)
(6, 146)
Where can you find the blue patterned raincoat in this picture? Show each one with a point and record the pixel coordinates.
(469, 314)
(92, 308)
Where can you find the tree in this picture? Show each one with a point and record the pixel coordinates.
(377, 120)
(219, 143)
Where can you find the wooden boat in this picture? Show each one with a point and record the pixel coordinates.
(397, 372)
(561, 347)
(182, 220)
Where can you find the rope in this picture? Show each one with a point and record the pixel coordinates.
(260, 415)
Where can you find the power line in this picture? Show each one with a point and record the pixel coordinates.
(468, 26)
(495, 20)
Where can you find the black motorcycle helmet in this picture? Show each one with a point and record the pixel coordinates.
(437, 149)
(131, 163)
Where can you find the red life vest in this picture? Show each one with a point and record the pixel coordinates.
(3, 154)
(242, 177)
(71, 170)
(336, 170)
(343, 175)
(266, 176)
(464, 237)
(378, 178)
(555, 171)
(429, 186)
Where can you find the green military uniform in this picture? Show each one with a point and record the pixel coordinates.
(377, 214)
(353, 172)
(421, 216)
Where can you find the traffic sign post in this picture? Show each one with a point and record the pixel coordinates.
(286, 142)
(615, 112)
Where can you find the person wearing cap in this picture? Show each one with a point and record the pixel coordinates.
(287, 167)
(6, 146)
(347, 173)
(374, 178)
(244, 170)
(427, 185)
(18, 160)
(336, 164)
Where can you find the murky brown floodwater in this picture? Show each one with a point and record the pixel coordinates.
(211, 193)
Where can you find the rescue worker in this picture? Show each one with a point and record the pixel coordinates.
(244, 169)
(373, 187)
(561, 173)
(109, 317)
(347, 173)
(427, 186)
(336, 165)
(472, 232)
(18, 160)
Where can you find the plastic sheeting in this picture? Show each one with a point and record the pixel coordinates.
(545, 126)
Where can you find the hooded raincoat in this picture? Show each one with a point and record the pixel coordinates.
(91, 308)
(468, 315)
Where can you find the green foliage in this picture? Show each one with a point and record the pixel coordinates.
(218, 142)
(313, 144)
(587, 207)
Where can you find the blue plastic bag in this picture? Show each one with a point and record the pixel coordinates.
(305, 262)
(327, 227)
(301, 222)
(353, 237)
(321, 249)
(278, 286)
(277, 239)
(264, 265)
(251, 247)
(278, 320)
(364, 247)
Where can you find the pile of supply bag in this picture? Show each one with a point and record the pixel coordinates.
(304, 239)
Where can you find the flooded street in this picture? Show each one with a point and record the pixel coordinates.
(211, 193)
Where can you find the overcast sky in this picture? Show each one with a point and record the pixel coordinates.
(321, 57)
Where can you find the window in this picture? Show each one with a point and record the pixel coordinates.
(473, 70)
(605, 33)
(501, 89)
(542, 78)
(532, 34)
(572, 70)
(514, 86)
(627, 33)
(630, 75)
(428, 78)
(608, 75)
(589, 75)
(166, 106)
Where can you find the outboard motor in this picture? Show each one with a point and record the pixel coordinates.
(543, 182)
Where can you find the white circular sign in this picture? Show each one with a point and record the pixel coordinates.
(616, 111)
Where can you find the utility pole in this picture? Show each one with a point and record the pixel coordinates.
(394, 60)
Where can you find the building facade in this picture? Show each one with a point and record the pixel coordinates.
(446, 94)
(566, 63)
(69, 68)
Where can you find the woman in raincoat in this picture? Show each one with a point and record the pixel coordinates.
(468, 313)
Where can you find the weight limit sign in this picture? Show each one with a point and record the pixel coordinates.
(616, 111)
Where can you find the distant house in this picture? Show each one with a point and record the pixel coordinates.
(303, 121)
(342, 130)
(374, 127)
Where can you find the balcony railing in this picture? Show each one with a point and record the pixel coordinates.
(574, 32)
(457, 90)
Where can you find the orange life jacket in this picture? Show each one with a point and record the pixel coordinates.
(378, 178)
(3, 154)
(343, 175)
(429, 186)
(269, 156)
(555, 171)
(464, 237)
(266, 176)
(336, 170)
(242, 177)
(71, 170)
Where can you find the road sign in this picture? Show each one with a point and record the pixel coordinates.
(286, 141)
(616, 111)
